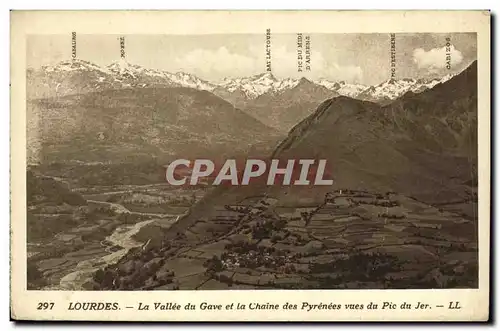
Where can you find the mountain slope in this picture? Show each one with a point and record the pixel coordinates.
(401, 213)
(129, 124)
(413, 145)
(284, 109)
(392, 89)
(381, 149)
(445, 117)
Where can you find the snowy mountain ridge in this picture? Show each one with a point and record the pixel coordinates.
(124, 74)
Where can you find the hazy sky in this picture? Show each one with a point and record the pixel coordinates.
(361, 58)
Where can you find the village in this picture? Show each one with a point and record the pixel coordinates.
(354, 239)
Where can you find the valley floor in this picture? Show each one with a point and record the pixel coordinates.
(67, 245)
(357, 240)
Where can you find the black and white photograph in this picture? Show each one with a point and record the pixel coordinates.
(272, 159)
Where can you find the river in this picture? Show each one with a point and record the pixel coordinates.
(122, 236)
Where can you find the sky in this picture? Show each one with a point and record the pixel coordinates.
(355, 58)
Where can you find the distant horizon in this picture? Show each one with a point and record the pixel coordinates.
(365, 59)
(219, 82)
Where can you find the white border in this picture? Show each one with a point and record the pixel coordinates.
(126, 4)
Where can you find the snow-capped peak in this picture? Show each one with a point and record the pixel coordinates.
(124, 68)
(73, 65)
(257, 85)
(189, 80)
(392, 89)
(264, 77)
(123, 73)
(342, 87)
(389, 89)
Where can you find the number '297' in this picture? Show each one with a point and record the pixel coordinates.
(45, 305)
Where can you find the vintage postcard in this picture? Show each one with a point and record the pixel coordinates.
(250, 165)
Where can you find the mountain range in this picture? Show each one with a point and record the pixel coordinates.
(134, 124)
(278, 103)
(423, 145)
(401, 212)
(80, 76)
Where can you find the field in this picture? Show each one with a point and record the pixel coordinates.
(70, 240)
(354, 239)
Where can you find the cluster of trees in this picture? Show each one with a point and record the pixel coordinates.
(307, 216)
(224, 279)
(360, 266)
(250, 255)
(104, 211)
(104, 278)
(45, 189)
(138, 269)
(288, 269)
(276, 237)
(34, 277)
(134, 274)
(150, 199)
(386, 203)
(213, 265)
(182, 201)
(364, 216)
(46, 227)
(241, 247)
(264, 230)
(239, 209)
(392, 216)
